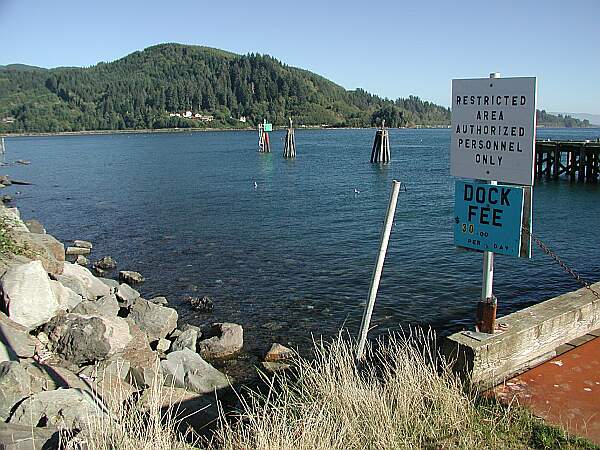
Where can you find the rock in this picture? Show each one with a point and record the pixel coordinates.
(44, 248)
(163, 345)
(94, 287)
(15, 385)
(15, 341)
(82, 260)
(67, 299)
(126, 295)
(113, 285)
(187, 326)
(27, 295)
(5, 180)
(203, 304)
(83, 339)
(106, 263)
(225, 341)
(35, 227)
(82, 244)
(275, 366)
(73, 251)
(162, 301)
(187, 339)
(129, 277)
(186, 369)
(48, 378)
(104, 306)
(156, 321)
(23, 437)
(99, 272)
(278, 353)
(195, 410)
(23, 162)
(63, 408)
(145, 370)
(5, 198)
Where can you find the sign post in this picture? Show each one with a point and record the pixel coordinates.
(493, 138)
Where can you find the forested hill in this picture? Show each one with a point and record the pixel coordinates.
(142, 89)
(154, 88)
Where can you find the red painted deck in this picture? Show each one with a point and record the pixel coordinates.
(564, 391)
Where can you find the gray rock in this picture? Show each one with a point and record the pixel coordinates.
(163, 345)
(27, 295)
(187, 339)
(75, 285)
(23, 437)
(15, 385)
(82, 244)
(156, 321)
(63, 409)
(145, 370)
(44, 248)
(186, 369)
(225, 341)
(106, 263)
(67, 299)
(188, 326)
(35, 227)
(104, 306)
(275, 366)
(113, 285)
(94, 287)
(129, 277)
(74, 251)
(162, 301)
(126, 295)
(15, 341)
(81, 260)
(82, 339)
(201, 304)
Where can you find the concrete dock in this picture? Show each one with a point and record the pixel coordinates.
(564, 391)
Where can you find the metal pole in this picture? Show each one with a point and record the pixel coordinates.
(486, 309)
(385, 237)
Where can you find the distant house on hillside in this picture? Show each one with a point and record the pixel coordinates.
(242, 119)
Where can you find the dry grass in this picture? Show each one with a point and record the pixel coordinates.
(149, 422)
(403, 398)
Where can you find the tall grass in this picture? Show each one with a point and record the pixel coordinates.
(403, 397)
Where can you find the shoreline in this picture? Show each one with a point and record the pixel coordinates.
(252, 129)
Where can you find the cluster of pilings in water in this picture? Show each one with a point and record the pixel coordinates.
(381, 146)
(289, 147)
(264, 144)
(577, 160)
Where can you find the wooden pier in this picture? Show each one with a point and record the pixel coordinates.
(578, 161)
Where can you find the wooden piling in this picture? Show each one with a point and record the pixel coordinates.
(289, 147)
(582, 160)
(381, 146)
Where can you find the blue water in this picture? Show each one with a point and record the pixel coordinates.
(294, 256)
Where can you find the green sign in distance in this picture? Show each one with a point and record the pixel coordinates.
(268, 126)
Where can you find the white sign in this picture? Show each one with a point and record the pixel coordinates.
(493, 129)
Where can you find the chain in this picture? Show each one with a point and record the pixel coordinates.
(561, 263)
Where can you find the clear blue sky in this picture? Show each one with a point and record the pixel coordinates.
(391, 48)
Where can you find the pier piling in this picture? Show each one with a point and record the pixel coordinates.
(579, 161)
(264, 145)
(381, 146)
(289, 148)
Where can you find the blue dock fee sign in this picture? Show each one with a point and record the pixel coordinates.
(488, 217)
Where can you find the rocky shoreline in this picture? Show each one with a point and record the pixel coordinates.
(70, 338)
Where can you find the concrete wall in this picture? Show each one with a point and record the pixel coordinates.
(532, 337)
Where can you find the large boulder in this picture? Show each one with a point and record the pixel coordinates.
(45, 248)
(225, 341)
(62, 408)
(27, 295)
(76, 251)
(130, 277)
(35, 226)
(15, 385)
(67, 298)
(144, 364)
(15, 341)
(104, 306)
(94, 287)
(186, 369)
(82, 339)
(105, 263)
(156, 321)
(23, 437)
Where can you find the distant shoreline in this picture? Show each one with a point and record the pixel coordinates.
(202, 130)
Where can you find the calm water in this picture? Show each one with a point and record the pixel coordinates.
(294, 256)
